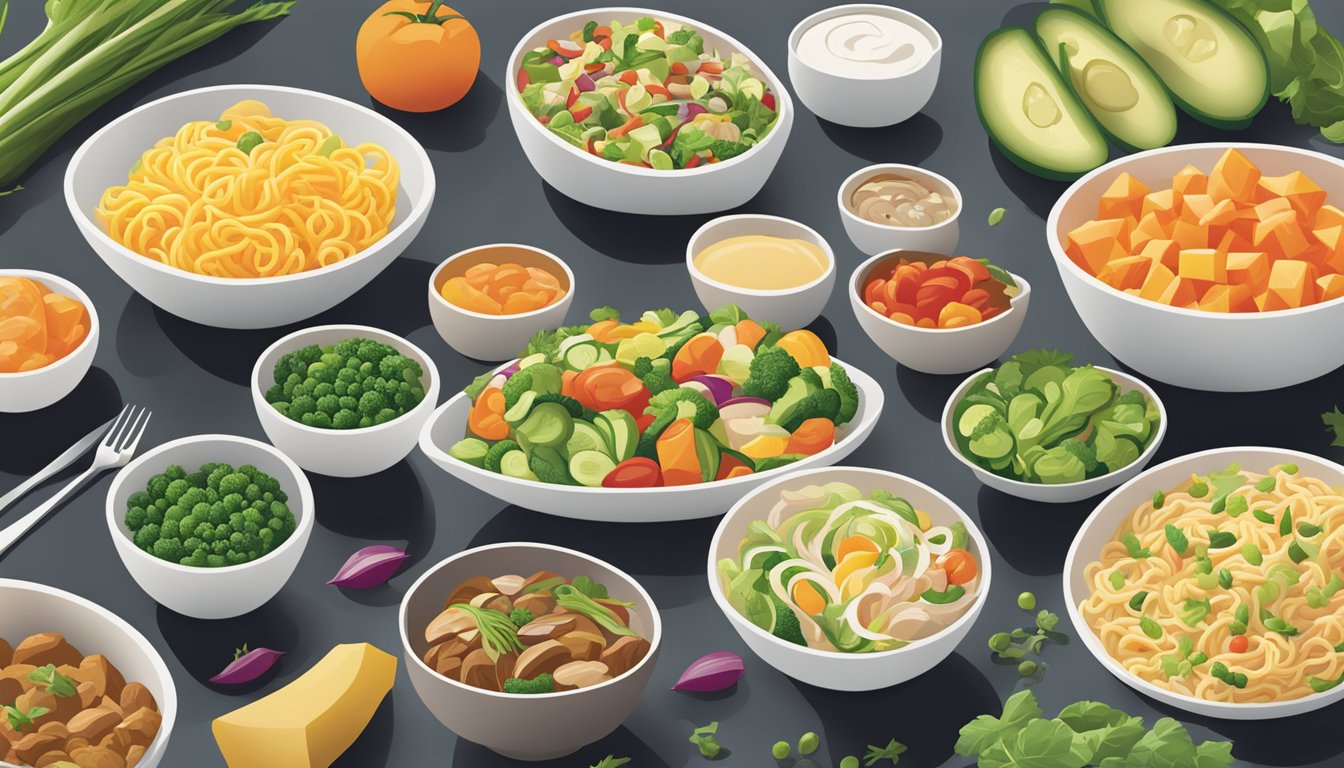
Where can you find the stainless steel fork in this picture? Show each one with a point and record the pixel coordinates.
(114, 451)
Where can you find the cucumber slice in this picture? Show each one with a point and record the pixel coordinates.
(707, 454)
(624, 433)
(581, 356)
(590, 467)
(514, 464)
(549, 424)
(531, 360)
(515, 415)
(471, 450)
(586, 437)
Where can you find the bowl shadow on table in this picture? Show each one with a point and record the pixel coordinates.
(624, 236)
(929, 718)
(47, 432)
(229, 354)
(205, 647)
(927, 393)
(911, 142)
(1036, 550)
(390, 507)
(622, 743)
(459, 128)
(1038, 194)
(371, 749)
(679, 551)
(1315, 737)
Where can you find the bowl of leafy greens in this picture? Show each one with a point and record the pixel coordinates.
(1041, 428)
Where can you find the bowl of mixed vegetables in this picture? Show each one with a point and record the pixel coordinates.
(646, 112)
(849, 578)
(669, 416)
(1041, 428)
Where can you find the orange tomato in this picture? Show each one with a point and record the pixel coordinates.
(417, 56)
(959, 565)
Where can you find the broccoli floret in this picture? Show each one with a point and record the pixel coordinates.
(823, 404)
(542, 683)
(314, 386)
(521, 617)
(300, 406)
(549, 468)
(370, 403)
(574, 407)
(233, 483)
(175, 490)
(175, 472)
(328, 404)
(787, 627)
(812, 378)
(542, 378)
(496, 452)
(686, 403)
(656, 374)
(1085, 453)
(169, 549)
(345, 418)
(769, 375)
(849, 394)
(136, 517)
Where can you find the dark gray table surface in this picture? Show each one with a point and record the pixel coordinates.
(195, 379)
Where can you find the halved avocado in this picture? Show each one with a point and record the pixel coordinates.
(1029, 111)
(1117, 87)
(1209, 62)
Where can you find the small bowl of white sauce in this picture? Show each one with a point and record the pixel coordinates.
(864, 65)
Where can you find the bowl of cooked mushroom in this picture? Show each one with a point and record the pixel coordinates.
(529, 633)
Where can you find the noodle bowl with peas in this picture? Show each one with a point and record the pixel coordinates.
(1227, 588)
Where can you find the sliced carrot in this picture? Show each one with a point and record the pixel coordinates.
(601, 331)
(739, 471)
(697, 357)
(811, 437)
(676, 454)
(629, 125)
(605, 387)
(805, 347)
(486, 418)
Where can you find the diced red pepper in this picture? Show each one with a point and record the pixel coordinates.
(523, 79)
(581, 114)
(694, 161)
(629, 77)
(572, 97)
(678, 68)
(768, 101)
(711, 68)
(657, 90)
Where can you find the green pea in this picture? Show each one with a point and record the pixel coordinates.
(849, 761)
(1000, 642)
(1026, 601)
(781, 750)
(1290, 469)
(1150, 628)
(1199, 490)
(808, 743)
(1027, 668)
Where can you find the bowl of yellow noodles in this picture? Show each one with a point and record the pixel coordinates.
(249, 206)
(1215, 583)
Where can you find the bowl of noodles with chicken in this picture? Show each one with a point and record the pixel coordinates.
(1215, 583)
(249, 206)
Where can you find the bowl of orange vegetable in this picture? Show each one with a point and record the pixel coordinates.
(1189, 262)
(48, 337)
(488, 301)
(937, 314)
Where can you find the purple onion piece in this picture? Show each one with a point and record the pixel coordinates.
(584, 83)
(509, 369)
(557, 60)
(743, 401)
(369, 567)
(721, 387)
(712, 672)
(248, 666)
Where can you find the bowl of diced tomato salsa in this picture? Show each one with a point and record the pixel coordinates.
(1211, 266)
(641, 111)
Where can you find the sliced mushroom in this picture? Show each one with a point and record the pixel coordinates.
(505, 667)
(478, 670)
(492, 601)
(97, 757)
(87, 693)
(546, 627)
(46, 648)
(580, 674)
(111, 705)
(136, 696)
(98, 670)
(54, 757)
(56, 728)
(537, 603)
(134, 755)
(117, 741)
(141, 726)
(37, 697)
(509, 585)
(622, 655)
(35, 745)
(584, 646)
(10, 688)
(539, 577)
(93, 724)
(540, 659)
(73, 743)
(468, 590)
(449, 624)
(6, 653)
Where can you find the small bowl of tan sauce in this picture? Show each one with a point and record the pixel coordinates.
(773, 268)
(890, 206)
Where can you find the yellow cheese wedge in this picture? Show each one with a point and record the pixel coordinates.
(311, 721)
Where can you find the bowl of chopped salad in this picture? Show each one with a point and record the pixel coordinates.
(647, 112)
(671, 416)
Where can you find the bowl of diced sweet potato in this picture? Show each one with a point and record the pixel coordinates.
(1210, 266)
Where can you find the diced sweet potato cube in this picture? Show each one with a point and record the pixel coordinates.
(1127, 272)
(1194, 207)
(1164, 252)
(1231, 241)
(1328, 216)
(1227, 298)
(1298, 189)
(1180, 293)
(1281, 236)
(1292, 284)
(1243, 223)
(1159, 278)
(1272, 207)
(1190, 234)
(1150, 227)
(1234, 177)
(1190, 181)
(1123, 199)
(1332, 240)
(1329, 287)
(1220, 215)
(1095, 243)
(1205, 264)
(1248, 269)
(1162, 203)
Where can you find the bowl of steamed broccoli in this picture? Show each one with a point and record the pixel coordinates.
(344, 400)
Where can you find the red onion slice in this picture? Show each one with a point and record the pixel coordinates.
(712, 672)
(369, 567)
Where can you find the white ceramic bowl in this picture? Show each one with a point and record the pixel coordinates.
(632, 505)
(103, 162)
(557, 723)
(874, 239)
(1187, 347)
(831, 669)
(1060, 493)
(790, 307)
(211, 593)
(27, 608)
(938, 350)
(31, 390)
(865, 102)
(496, 337)
(1102, 524)
(342, 452)
(631, 189)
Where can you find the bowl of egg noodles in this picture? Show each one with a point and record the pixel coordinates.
(249, 206)
(1215, 583)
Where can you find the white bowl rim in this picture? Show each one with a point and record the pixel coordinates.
(425, 439)
(912, 170)
(1120, 377)
(783, 102)
(434, 276)
(710, 225)
(167, 708)
(894, 478)
(426, 363)
(70, 290)
(1145, 687)
(1064, 263)
(304, 492)
(919, 23)
(1024, 290)
(655, 639)
(418, 207)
